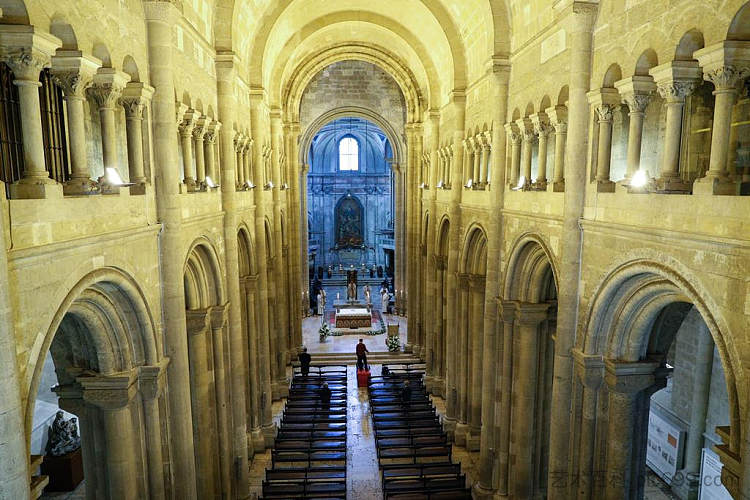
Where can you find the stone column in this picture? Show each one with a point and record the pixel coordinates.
(477, 284)
(604, 101)
(582, 15)
(486, 141)
(112, 396)
(209, 144)
(514, 137)
(26, 52)
(726, 65)
(628, 425)
(590, 373)
(457, 378)
(247, 160)
(504, 385)
(527, 133)
(674, 81)
(525, 380)
(255, 374)
(238, 143)
(218, 320)
(106, 90)
(187, 123)
(304, 231)
(636, 92)
(438, 336)
(151, 382)
(542, 129)
(476, 149)
(204, 418)
(294, 197)
(15, 463)
(74, 73)
(199, 133)
(558, 116)
(160, 17)
(226, 64)
(135, 99)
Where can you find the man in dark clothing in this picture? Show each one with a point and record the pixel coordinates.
(325, 395)
(406, 393)
(304, 360)
(362, 356)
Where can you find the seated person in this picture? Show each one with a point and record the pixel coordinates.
(386, 372)
(406, 393)
(325, 395)
(304, 360)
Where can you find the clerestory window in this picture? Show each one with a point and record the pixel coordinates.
(348, 154)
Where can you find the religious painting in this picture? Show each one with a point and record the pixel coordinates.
(349, 222)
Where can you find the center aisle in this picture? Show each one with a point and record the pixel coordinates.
(362, 472)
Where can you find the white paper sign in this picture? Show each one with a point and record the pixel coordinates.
(664, 446)
(711, 487)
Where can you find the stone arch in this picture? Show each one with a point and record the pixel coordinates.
(545, 103)
(647, 60)
(348, 112)
(247, 264)
(130, 67)
(530, 271)
(739, 28)
(474, 255)
(60, 28)
(613, 74)
(691, 41)
(101, 52)
(628, 324)
(562, 96)
(14, 12)
(104, 347)
(203, 284)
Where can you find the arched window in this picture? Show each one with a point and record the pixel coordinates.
(348, 154)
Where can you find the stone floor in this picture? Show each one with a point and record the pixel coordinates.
(346, 343)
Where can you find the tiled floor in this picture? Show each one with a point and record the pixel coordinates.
(346, 343)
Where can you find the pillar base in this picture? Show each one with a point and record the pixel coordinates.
(408, 348)
(605, 186)
(716, 186)
(438, 387)
(269, 435)
(672, 185)
(189, 186)
(461, 434)
(138, 189)
(449, 427)
(35, 189)
(558, 187)
(473, 440)
(539, 186)
(482, 493)
(80, 187)
(257, 439)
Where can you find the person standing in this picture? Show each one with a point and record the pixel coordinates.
(304, 361)
(406, 393)
(362, 356)
(325, 395)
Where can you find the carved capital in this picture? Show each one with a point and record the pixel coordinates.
(727, 77)
(637, 101)
(135, 98)
(589, 368)
(201, 128)
(605, 112)
(629, 377)
(73, 83)
(26, 63)
(186, 125)
(531, 314)
(219, 315)
(198, 321)
(108, 86)
(676, 90)
(151, 379)
(541, 124)
(109, 392)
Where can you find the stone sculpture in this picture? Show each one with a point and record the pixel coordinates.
(63, 436)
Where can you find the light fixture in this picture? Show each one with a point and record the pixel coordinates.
(111, 180)
(268, 186)
(469, 183)
(210, 183)
(440, 184)
(521, 182)
(249, 185)
(284, 186)
(639, 180)
(424, 186)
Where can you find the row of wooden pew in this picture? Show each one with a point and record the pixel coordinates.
(413, 451)
(309, 455)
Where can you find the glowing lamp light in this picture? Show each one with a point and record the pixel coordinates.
(639, 179)
(469, 183)
(113, 177)
(521, 182)
(210, 183)
(269, 185)
(440, 184)
(249, 185)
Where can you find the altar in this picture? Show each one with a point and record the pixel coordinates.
(352, 314)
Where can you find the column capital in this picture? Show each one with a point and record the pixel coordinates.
(628, 377)
(506, 309)
(463, 279)
(558, 118)
(541, 124)
(636, 92)
(531, 314)
(109, 392)
(108, 86)
(151, 379)
(74, 72)
(27, 50)
(525, 128)
(486, 139)
(201, 127)
(477, 282)
(604, 101)
(198, 321)
(725, 64)
(165, 11)
(219, 316)
(676, 80)
(589, 368)
(213, 131)
(187, 119)
(135, 97)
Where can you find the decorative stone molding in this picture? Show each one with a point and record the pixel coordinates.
(198, 321)
(677, 79)
(74, 72)
(526, 129)
(541, 124)
(676, 90)
(219, 316)
(26, 50)
(636, 92)
(604, 113)
(727, 77)
(558, 118)
(531, 314)
(108, 86)
(165, 11)
(186, 125)
(514, 135)
(135, 97)
(151, 379)
(201, 127)
(589, 368)
(725, 64)
(109, 392)
(629, 377)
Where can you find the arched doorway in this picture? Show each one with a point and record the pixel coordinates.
(109, 375)
(470, 333)
(435, 378)
(648, 325)
(206, 316)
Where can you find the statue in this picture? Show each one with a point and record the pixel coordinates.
(351, 291)
(385, 297)
(321, 305)
(63, 436)
(368, 297)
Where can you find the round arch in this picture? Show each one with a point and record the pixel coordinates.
(247, 264)
(474, 253)
(202, 275)
(529, 265)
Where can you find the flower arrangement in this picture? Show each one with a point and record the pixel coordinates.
(324, 331)
(393, 343)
